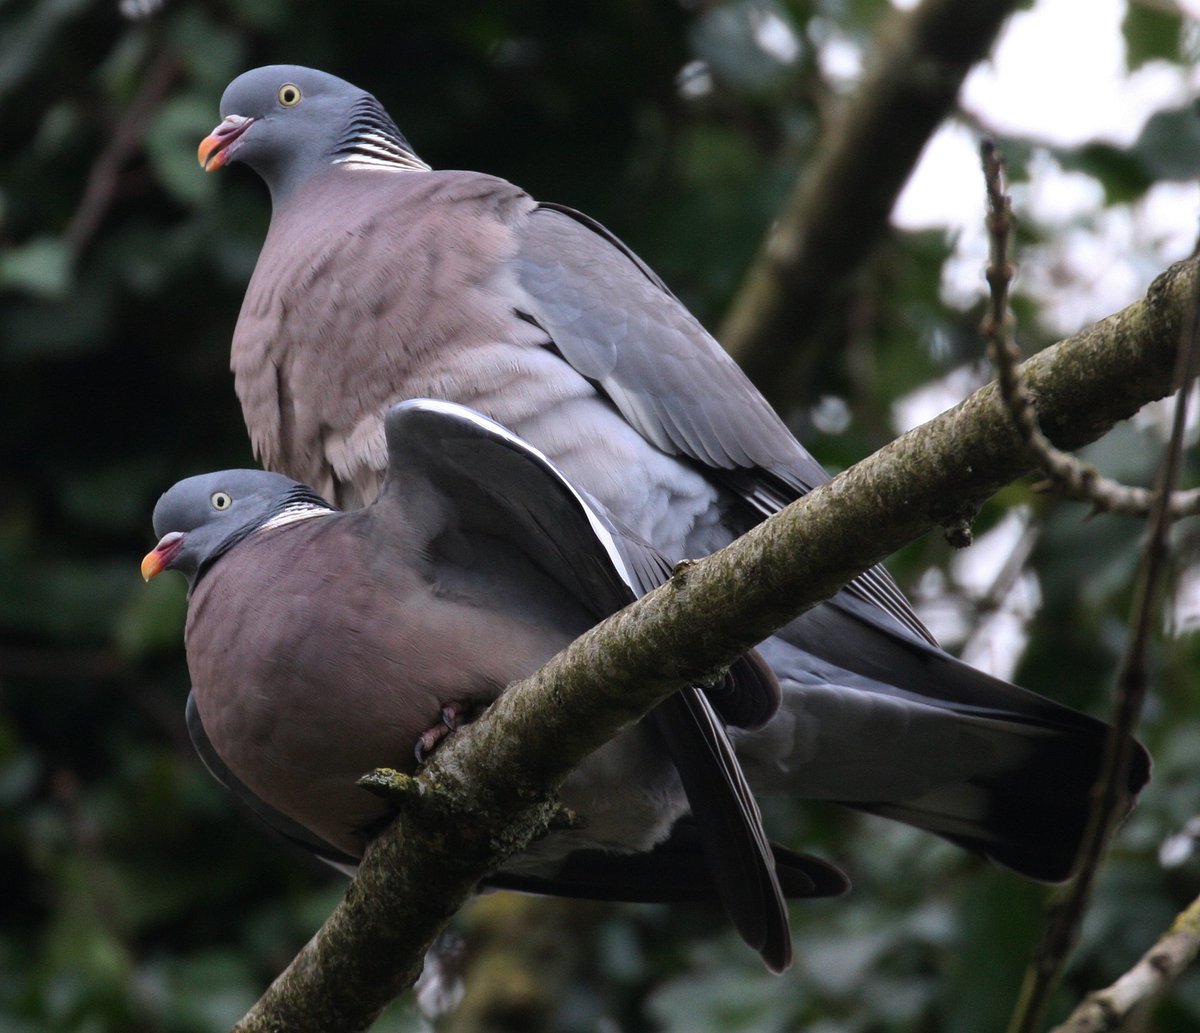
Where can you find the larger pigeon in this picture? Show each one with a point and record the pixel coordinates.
(381, 279)
(322, 644)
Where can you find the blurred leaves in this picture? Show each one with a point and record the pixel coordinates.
(40, 267)
(138, 898)
(1169, 145)
(1151, 32)
(170, 146)
(749, 43)
(1165, 150)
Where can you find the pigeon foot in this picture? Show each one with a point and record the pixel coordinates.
(429, 739)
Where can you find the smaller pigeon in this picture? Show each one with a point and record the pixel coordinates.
(323, 644)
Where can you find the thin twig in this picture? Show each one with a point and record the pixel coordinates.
(126, 138)
(1075, 479)
(1104, 1011)
(1065, 913)
(995, 600)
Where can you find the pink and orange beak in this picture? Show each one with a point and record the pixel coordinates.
(159, 558)
(213, 151)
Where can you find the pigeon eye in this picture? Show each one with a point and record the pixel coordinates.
(289, 94)
(221, 500)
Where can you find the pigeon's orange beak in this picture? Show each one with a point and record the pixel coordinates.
(159, 558)
(214, 151)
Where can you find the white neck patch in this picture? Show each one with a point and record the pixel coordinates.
(294, 513)
(371, 151)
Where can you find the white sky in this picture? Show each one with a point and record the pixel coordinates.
(1058, 74)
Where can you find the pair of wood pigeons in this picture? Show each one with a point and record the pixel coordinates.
(587, 433)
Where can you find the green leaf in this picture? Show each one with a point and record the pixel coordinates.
(171, 144)
(1123, 176)
(152, 620)
(1169, 144)
(37, 327)
(1150, 34)
(265, 14)
(213, 52)
(40, 267)
(750, 45)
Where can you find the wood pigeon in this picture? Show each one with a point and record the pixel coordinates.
(322, 644)
(381, 279)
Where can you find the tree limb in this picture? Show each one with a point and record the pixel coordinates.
(487, 791)
(838, 210)
(1106, 1010)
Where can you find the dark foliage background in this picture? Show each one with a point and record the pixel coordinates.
(133, 895)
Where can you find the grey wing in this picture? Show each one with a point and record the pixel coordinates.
(749, 694)
(500, 485)
(726, 813)
(280, 823)
(616, 322)
(498, 481)
(512, 490)
(675, 870)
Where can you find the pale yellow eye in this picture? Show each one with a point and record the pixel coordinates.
(221, 500)
(289, 94)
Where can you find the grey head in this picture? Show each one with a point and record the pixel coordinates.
(200, 518)
(288, 122)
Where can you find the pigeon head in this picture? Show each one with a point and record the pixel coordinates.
(201, 517)
(288, 122)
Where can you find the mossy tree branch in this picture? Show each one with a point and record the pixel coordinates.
(488, 790)
(1106, 1011)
